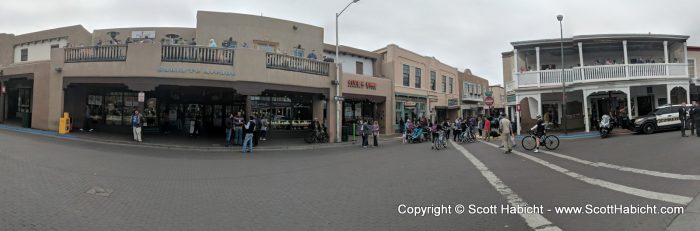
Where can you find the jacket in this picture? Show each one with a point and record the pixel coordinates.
(681, 113)
(249, 127)
(504, 126)
(229, 123)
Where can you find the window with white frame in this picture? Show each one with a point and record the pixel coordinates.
(691, 68)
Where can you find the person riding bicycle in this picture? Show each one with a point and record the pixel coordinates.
(539, 132)
(315, 127)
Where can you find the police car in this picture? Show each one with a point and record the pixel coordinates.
(663, 118)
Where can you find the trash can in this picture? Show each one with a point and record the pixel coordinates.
(26, 120)
(345, 133)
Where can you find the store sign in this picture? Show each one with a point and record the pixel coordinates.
(196, 71)
(452, 102)
(362, 84)
(517, 107)
(409, 104)
(142, 97)
(511, 98)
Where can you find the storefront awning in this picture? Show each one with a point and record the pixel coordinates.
(371, 98)
(410, 95)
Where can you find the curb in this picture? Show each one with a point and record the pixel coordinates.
(175, 147)
(688, 220)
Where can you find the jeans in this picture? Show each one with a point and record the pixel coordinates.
(365, 140)
(248, 142)
(137, 133)
(228, 136)
(263, 134)
(238, 135)
(375, 140)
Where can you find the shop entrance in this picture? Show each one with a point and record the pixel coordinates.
(17, 103)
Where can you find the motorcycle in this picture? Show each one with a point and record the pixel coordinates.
(605, 127)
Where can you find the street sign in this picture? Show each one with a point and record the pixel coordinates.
(488, 100)
(338, 98)
(142, 97)
(517, 107)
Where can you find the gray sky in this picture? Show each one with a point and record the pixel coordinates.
(464, 34)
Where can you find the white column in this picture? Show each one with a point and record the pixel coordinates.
(687, 94)
(685, 59)
(580, 59)
(624, 50)
(537, 53)
(517, 121)
(629, 103)
(668, 94)
(665, 51)
(586, 120)
(539, 104)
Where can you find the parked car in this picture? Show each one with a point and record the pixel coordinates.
(663, 118)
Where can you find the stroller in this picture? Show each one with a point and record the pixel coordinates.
(416, 136)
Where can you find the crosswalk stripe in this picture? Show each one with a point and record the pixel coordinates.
(625, 169)
(535, 221)
(677, 199)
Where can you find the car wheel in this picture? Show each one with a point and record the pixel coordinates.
(648, 128)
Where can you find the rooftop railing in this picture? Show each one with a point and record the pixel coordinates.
(297, 64)
(196, 54)
(104, 53)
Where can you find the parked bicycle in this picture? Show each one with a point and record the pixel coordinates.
(441, 141)
(467, 136)
(317, 136)
(529, 143)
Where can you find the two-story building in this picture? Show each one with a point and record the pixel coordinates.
(423, 86)
(498, 93)
(228, 63)
(624, 75)
(472, 94)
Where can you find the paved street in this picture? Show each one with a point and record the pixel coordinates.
(45, 183)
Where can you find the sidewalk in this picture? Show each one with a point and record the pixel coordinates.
(689, 219)
(180, 142)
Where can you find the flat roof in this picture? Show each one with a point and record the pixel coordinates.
(578, 38)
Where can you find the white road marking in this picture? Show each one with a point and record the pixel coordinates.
(625, 169)
(535, 221)
(683, 200)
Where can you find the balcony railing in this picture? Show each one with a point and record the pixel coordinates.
(96, 53)
(196, 54)
(297, 64)
(599, 74)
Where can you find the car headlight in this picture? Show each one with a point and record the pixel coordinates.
(639, 121)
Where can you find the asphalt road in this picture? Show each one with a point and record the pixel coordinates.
(45, 183)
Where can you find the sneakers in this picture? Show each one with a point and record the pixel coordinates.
(537, 150)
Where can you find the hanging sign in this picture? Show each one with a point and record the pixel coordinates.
(142, 97)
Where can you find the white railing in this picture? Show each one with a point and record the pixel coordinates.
(297, 64)
(196, 54)
(96, 54)
(597, 74)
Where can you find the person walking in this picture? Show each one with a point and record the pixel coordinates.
(682, 117)
(375, 132)
(229, 129)
(136, 122)
(487, 129)
(238, 129)
(249, 129)
(364, 130)
(256, 132)
(480, 126)
(265, 127)
(402, 125)
(696, 117)
(88, 120)
(504, 129)
(690, 120)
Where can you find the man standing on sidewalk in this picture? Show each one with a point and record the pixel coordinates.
(229, 129)
(696, 118)
(681, 116)
(238, 129)
(136, 121)
(504, 128)
(249, 129)
(690, 120)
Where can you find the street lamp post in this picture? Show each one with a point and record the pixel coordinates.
(563, 80)
(338, 102)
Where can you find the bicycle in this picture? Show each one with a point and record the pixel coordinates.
(441, 141)
(317, 137)
(529, 143)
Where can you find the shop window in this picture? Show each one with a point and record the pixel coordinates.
(114, 103)
(359, 68)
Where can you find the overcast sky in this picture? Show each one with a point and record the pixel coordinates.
(460, 33)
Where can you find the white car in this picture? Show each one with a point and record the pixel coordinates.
(663, 118)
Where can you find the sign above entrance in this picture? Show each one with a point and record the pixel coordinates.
(196, 71)
(488, 100)
(142, 97)
(362, 84)
(409, 104)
